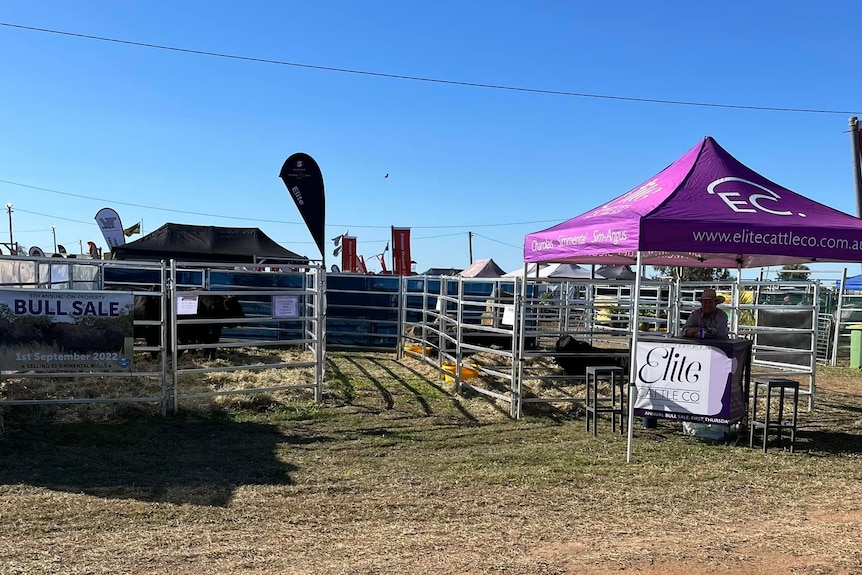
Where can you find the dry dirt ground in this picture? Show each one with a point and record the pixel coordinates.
(397, 474)
(771, 528)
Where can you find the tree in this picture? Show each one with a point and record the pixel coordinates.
(693, 274)
(791, 272)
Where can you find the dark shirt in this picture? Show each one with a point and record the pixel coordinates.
(716, 322)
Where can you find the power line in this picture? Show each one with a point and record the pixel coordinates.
(17, 231)
(497, 241)
(187, 212)
(257, 220)
(413, 237)
(17, 209)
(422, 78)
(371, 241)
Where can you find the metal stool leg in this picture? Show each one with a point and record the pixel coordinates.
(766, 419)
(622, 408)
(780, 413)
(753, 422)
(613, 404)
(587, 401)
(783, 389)
(795, 412)
(595, 404)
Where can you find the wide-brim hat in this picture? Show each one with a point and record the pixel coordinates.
(710, 294)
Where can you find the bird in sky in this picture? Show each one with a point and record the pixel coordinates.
(386, 176)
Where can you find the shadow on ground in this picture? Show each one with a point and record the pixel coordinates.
(171, 460)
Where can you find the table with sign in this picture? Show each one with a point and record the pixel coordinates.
(702, 381)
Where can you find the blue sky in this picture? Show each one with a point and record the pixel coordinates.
(165, 136)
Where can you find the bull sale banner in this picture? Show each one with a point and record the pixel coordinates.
(401, 251)
(66, 331)
(111, 226)
(690, 382)
(303, 179)
(349, 262)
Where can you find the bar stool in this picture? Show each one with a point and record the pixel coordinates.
(782, 386)
(613, 404)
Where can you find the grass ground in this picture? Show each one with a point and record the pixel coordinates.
(395, 473)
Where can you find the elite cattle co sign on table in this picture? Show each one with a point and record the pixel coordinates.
(66, 331)
(685, 382)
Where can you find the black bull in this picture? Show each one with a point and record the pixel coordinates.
(574, 356)
(209, 307)
(488, 339)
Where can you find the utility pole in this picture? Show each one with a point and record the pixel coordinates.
(11, 239)
(470, 239)
(54, 233)
(857, 163)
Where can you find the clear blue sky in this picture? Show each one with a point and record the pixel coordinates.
(165, 136)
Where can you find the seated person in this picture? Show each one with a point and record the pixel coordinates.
(709, 318)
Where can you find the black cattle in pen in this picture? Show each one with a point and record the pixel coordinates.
(488, 339)
(209, 307)
(574, 355)
(148, 308)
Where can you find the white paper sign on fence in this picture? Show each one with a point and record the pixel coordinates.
(285, 306)
(508, 315)
(187, 304)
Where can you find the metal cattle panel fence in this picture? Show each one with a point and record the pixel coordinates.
(280, 312)
(258, 319)
(362, 311)
(785, 330)
(142, 381)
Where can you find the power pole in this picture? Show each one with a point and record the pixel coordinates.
(11, 239)
(470, 239)
(857, 163)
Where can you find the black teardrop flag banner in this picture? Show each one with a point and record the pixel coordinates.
(301, 175)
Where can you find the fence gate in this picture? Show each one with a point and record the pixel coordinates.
(245, 321)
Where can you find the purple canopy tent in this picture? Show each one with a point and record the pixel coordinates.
(706, 209)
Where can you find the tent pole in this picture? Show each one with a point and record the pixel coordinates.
(633, 353)
(737, 299)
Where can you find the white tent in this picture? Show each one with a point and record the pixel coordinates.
(618, 272)
(483, 269)
(554, 270)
